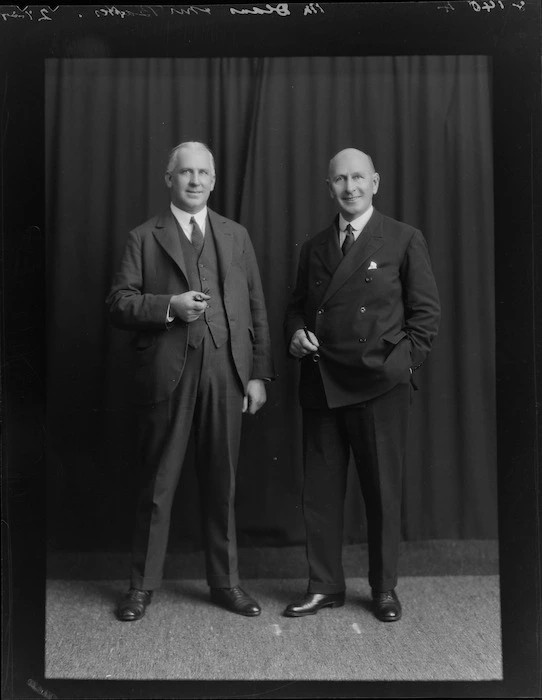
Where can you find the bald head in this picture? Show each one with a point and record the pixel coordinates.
(349, 154)
(352, 182)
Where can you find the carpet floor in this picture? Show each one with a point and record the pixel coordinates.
(450, 630)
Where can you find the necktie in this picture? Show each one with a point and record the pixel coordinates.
(197, 236)
(348, 241)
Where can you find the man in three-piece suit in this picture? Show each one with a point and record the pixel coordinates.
(190, 289)
(362, 318)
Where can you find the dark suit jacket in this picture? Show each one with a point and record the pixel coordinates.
(152, 270)
(375, 311)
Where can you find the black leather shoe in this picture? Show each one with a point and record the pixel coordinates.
(133, 605)
(312, 602)
(236, 600)
(387, 606)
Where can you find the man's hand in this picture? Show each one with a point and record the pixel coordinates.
(188, 306)
(301, 345)
(255, 397)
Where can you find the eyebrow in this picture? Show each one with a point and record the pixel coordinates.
(358, 172)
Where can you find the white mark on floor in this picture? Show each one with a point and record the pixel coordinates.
(356, 628)
(277, 630)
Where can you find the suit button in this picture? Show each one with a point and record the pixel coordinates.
(368, 279)
(363, 309)
(316, 357)
(320, 311)
(318, 283)
(363, 340)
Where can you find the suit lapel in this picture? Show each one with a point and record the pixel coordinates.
(223, 241)
(371, 240)
(328, 251)
(167, 235)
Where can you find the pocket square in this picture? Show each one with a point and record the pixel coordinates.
(373, 265)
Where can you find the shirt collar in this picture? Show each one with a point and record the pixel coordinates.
(183, 217)
(359, 223)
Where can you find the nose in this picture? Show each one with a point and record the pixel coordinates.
(349, 183)
(195, 177)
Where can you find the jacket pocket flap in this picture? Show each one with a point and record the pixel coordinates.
(144, 340)
(394, 338)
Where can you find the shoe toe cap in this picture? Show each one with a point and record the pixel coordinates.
(128, 615)
(252, 610)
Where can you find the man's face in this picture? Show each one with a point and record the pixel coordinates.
(352, 182)
(192, 179)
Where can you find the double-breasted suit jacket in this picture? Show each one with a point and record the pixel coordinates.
(153, 269)
(375, 312)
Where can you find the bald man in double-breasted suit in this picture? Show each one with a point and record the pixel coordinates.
(361, 319)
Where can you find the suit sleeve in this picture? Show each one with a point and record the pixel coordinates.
(295, 312)
(263, 366)
(420, 298)
(129, 308)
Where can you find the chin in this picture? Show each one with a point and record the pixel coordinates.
(352, 213)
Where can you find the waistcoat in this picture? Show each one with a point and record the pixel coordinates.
(204, 275)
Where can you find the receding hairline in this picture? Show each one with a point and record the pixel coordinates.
(352, 151)
(191, 145)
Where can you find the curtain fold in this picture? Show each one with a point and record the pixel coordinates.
(273, 124)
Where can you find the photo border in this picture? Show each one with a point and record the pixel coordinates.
(508, 32)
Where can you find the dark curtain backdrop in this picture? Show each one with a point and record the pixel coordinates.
(273, 124)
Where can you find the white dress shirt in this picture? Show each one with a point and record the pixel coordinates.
(183, 217)
(357, 225)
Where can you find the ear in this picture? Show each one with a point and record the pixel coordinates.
(331, 193)
(167, 178)
(376, 182)
(213, 181)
